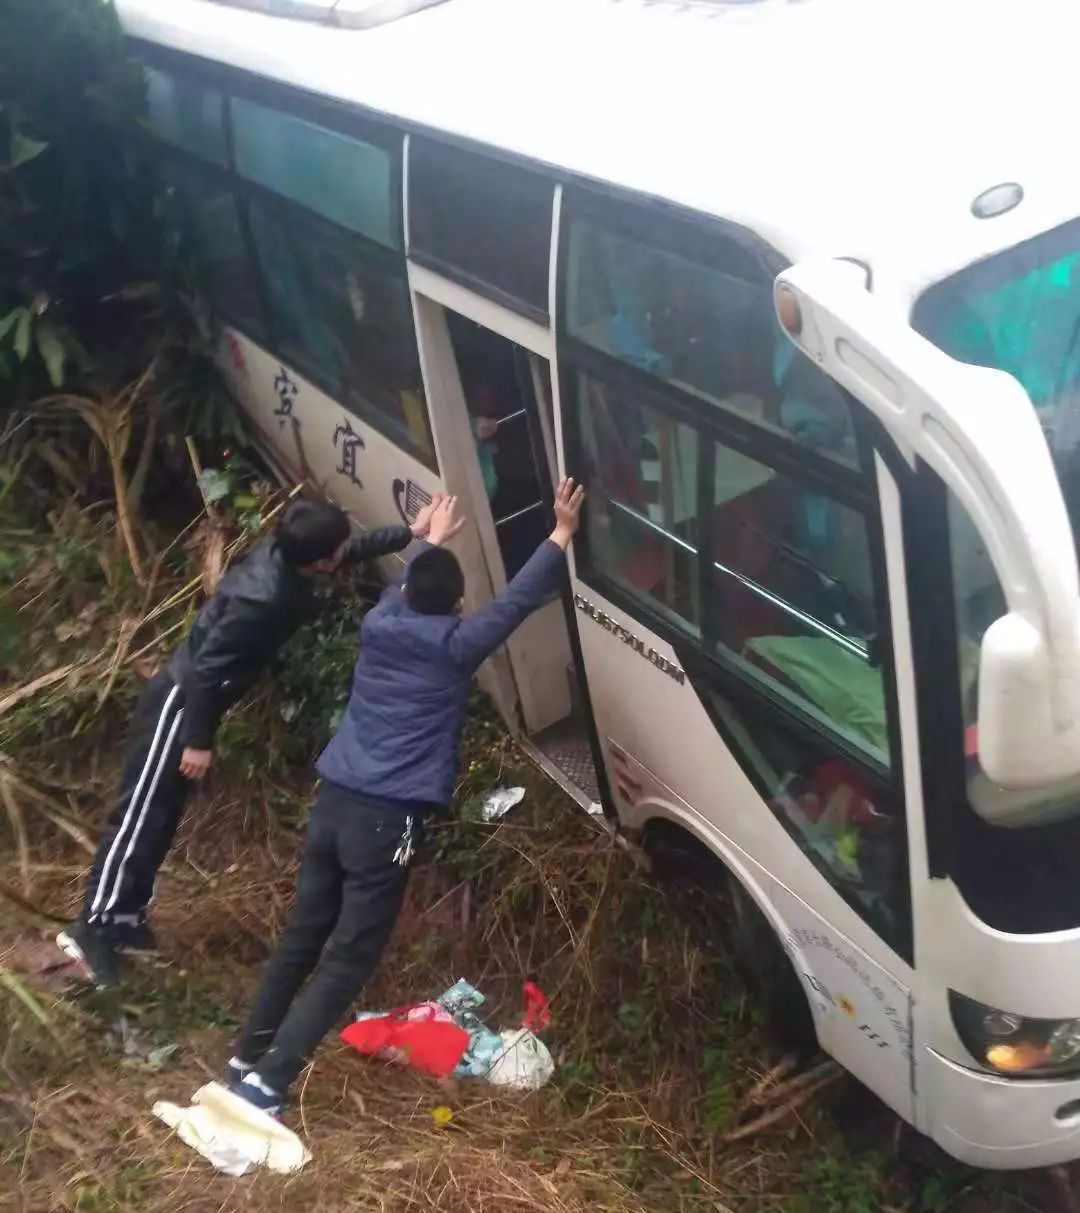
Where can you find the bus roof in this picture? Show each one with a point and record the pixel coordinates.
(859, 128)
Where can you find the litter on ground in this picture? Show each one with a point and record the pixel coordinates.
(233, 1134)
(448, 1035)
(500, 802)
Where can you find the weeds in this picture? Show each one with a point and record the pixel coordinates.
(666, 1098)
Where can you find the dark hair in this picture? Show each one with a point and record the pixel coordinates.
(310, 531)
(435, 582)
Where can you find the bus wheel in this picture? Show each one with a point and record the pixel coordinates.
(694, 880)
(771, 977)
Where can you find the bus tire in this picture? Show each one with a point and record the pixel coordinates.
(771, 978)
(694, 880)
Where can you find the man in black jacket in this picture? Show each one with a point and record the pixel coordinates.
(257, 607)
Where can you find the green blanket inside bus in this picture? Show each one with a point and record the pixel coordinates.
(846, 690)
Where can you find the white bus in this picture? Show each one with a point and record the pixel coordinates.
(822, 624)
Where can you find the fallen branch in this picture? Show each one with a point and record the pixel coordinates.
(18, 829)
(766, 1121)
(37, 684)
(28, 907)
(128, 630)
(761, 1092)
(786, 1090)
(72, 825)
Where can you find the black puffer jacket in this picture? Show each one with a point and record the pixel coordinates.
(256, 608)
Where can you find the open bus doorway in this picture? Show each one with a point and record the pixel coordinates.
(507, 392)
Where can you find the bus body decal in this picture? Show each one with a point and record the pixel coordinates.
(630, 639)
(862, 1012)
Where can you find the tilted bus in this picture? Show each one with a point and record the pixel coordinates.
(741, 268)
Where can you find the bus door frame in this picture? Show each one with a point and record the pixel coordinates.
(526, 678)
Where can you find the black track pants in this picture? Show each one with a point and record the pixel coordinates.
(148, 810)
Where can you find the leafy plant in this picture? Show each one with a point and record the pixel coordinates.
(314, 671)
(98, 278)
(231, 485)
(719, 1078)
(840, 1183)
(76, 200)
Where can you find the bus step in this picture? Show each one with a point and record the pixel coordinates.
(565, 747)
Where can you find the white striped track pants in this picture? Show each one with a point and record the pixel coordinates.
(148, 810)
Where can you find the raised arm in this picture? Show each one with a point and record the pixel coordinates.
(432, 517)
(481, 634)
(384, 541)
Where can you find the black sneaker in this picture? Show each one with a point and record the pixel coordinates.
(93, 948)
(136, 938)
(236, 1070)
(256, 1092)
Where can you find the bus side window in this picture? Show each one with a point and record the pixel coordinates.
(205, 210)
(481, 220)
(706, 327)
(186, 113)
(641, 524)
(326, 236)
(791, 601)
(346, 180)
(187, 116)
(843, 820)
(342, 319)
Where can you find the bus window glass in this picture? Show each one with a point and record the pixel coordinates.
(342, 321)
(343, 179)
(1017, 311)
(1020, 879)
(186, 113)
(789, 606)
(488, 220)
(206, 212)
(641, 524)
(1020, 312)
(791, 600)
(979, 601)
(707, 329)
(847, 825)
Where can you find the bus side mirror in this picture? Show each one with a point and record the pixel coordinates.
(978, 430)
(1029, 706)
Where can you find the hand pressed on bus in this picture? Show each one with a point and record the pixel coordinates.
(569, 499)
(422, 522)
(445, 522)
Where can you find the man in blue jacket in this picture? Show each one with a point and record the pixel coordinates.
(392, 762)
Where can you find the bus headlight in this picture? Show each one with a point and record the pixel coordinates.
(1016, 1044)
(1064, 1042)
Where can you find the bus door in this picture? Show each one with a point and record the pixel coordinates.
(494, 393)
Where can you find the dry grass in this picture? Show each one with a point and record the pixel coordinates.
(666, 1099)
(658, 1053)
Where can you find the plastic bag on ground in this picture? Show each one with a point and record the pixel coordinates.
(500, 802)
(423, 1036)
(514, 1058)
(232, 1134)
(523, 1061)
(462, 1001)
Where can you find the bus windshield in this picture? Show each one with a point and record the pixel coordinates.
(1018, 311)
